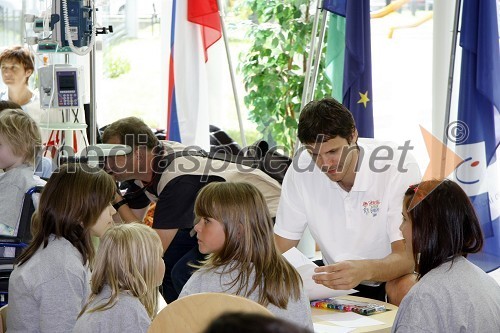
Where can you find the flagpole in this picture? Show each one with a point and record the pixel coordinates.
(312, 54)
(307, 76)
(307, 244)
(449, 92)
(318, 57)
(231, 73)
(451, 69)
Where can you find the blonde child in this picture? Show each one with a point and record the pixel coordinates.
(51, 279)
(234, 226)
(124, 290)
(19, 144)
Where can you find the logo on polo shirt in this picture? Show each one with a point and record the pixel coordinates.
(371, 207)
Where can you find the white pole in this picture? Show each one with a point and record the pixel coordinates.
(452, 67)
(442, 37)
(317, 59)
(93, 103)
(307, 76)
(312, 55)
(307, 244)
(231, 73)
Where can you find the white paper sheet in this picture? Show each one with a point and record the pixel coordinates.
(349, 319)
(297, 258)
(320, 328)
(306, 267)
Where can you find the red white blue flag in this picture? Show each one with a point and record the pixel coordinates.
(195, 26)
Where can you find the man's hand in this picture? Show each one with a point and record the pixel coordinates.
(127, 214)
(344, 275)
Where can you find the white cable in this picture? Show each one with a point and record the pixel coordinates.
(35, 55)
(68, 34)
(46, 19)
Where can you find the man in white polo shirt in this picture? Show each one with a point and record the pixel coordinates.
(349, 193)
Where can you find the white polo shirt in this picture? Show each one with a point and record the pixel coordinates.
(360, 224)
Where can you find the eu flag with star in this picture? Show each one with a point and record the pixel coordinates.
(357, 87)
(357, 80)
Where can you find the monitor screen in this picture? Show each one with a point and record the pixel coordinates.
(67, 82)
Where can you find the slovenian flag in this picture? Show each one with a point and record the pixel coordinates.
(348, 59)
(475, 134)
(195, 26)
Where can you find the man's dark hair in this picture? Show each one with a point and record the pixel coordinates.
(132, 132)
(325, 117)
(252, 323)
(444, 224)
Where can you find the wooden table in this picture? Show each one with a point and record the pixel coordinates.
(386, 317)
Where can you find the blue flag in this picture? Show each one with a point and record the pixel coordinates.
(357, 86)
(478, 105)
(335, 6)
(357, 79)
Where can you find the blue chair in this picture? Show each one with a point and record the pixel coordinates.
(43, 167)
(18, 242)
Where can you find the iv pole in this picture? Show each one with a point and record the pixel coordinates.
(93, 104)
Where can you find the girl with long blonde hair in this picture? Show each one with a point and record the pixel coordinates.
(124, 289)
(234, 227)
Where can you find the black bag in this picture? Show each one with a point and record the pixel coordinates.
(257, 156)
(270, 161)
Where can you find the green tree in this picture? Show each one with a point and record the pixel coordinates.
(275, 64)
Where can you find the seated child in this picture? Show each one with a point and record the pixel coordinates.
(440, 227)
(19, 144)
(234, 226)
(51, 279)
(124, 289)
(43, 165)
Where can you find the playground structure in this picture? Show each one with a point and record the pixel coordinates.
(396, 5)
